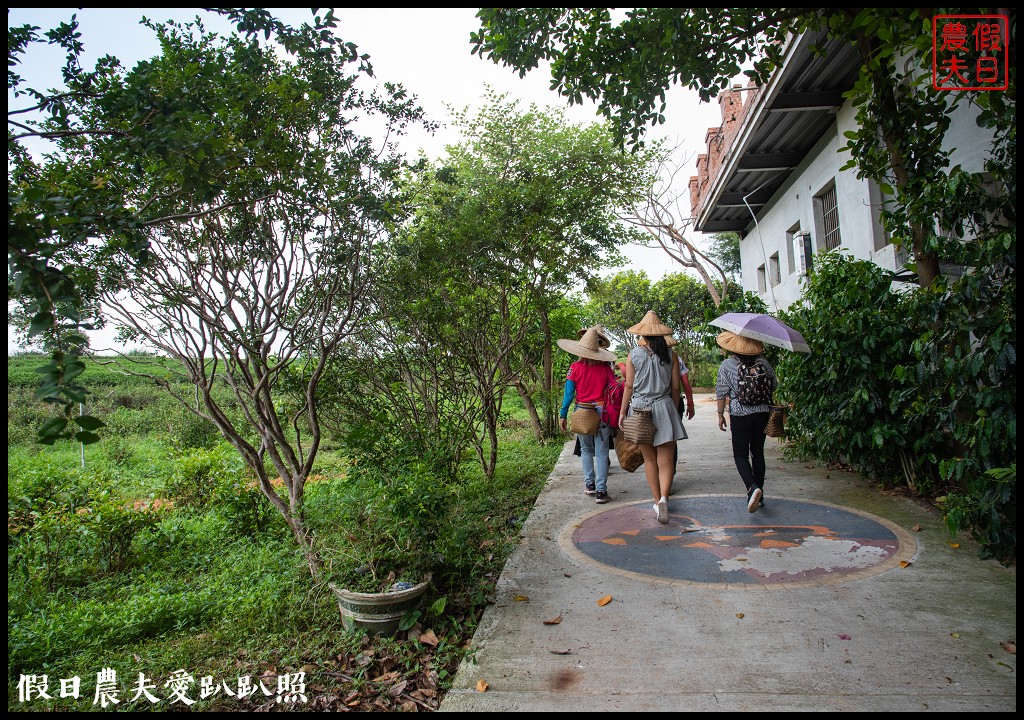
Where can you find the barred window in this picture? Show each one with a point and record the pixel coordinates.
(830, 219)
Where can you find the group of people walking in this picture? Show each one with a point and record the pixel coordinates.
(652, 379)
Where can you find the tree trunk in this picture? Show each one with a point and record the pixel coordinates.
(892, 136)
(549, 425)
(531, 410)
(927, 262)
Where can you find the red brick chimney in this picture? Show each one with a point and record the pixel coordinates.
(731, 103)
(702, 179)
(718, 140)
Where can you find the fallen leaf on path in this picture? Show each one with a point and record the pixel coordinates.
(521, 598)
(905, 563)
(553, 621)
(954, 634)
(567, 651)
(429, 638)
(843, 636)
(953, 545)
(1009, 646)
(739, 615)
(397, 689)
(481, 685)
(605, 600)
(917, 528)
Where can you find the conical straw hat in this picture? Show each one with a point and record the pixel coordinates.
(588, 346)
(738, 344)
(650, 325)
(602, 335)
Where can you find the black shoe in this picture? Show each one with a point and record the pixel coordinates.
(602, 498)
(589, 490)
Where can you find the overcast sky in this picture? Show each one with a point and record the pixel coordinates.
(425, 49)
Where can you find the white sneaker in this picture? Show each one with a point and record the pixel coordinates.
(755, 500)
(662, 507)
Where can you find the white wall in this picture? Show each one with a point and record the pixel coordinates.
(860, 230)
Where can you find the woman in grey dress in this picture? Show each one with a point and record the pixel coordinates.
(652, 381)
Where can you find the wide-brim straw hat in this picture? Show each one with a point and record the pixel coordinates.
(588, 346)
(738, 344)
(602, 336)
(650, 325)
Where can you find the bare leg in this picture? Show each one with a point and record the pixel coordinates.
(666, 468)
(651, 470)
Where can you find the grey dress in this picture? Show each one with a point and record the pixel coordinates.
(652, 387)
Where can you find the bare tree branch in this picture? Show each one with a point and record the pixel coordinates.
(661, 217)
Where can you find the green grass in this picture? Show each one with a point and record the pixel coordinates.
(150, 560)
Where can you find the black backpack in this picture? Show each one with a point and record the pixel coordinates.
(755, 384)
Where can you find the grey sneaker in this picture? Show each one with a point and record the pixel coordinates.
(602, 498)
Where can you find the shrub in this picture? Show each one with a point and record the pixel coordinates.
(200, 472)
(915, 388)
(988, 509)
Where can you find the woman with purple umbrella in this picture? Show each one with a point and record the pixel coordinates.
(747, 382)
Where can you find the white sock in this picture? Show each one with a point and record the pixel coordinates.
(663, 499)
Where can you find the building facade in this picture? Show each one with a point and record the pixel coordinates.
(772, 172)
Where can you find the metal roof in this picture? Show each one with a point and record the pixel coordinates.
(786, 118)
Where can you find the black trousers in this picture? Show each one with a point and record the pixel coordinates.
(748, 448)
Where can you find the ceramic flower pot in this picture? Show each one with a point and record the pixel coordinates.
(378, 613)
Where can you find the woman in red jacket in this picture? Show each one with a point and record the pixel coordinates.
(587, 380)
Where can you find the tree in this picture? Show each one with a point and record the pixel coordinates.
(725, 249)
(510, 221)
(619, 302)
(683, 302)
(627, 66)
(661, 217)
(268, 224)
(109, 134)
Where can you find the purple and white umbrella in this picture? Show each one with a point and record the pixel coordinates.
(764, 328)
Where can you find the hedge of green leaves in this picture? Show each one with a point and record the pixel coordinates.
(913, 387)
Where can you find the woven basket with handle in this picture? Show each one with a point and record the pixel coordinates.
(776, 426)
(585, 419)
(639, 427)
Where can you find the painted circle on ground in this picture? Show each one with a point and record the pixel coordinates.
(712, 540)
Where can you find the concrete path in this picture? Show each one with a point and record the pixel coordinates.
(835, 596)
